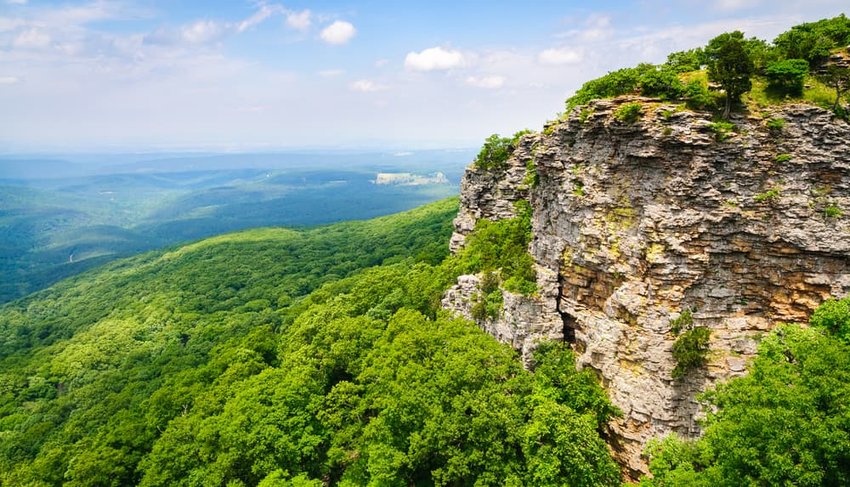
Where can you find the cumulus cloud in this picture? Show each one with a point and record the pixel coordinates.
(32, 39)
(366, 86)
(489, 82)
(562, 55)
(8, 80)
(299, 20)
(338, 33)
(433, 58)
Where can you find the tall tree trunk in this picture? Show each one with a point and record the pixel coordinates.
(728, 109)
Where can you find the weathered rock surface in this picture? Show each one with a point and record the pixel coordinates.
(634, 223)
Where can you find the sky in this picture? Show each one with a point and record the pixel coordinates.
(215, 75)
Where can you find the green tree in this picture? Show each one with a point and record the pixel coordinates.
(813, 41)
(663, 83)
(838, 78)
(730, 66)
(834, 317)
(761, 53)
(685, 61)
(788, 75)
(494, 153)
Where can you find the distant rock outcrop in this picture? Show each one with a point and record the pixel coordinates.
(409, 179)
(634, 223)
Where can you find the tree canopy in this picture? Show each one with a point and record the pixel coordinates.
(730, 66)
(280, 357)
(795, 60)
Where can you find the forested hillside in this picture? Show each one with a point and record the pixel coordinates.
(56, 228)
(274, 356)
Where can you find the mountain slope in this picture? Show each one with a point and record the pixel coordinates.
(55, 228)
(274, 355)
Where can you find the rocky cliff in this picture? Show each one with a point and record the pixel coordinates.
(634, 223)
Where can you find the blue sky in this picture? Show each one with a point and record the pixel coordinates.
(150, 75)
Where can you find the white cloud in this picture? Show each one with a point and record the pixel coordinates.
(561, 55)
(78, 15)
(433, 58)
(259, 16)
(366, 86)
(489, 82)
(142, 95)
(330, 73)
(597, 28)
(299, 20)
(206, 31)
(338, 33)
(202, 31)
(32, 39)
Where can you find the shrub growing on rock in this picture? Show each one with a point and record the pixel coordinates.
(690, 350)
(629, 113)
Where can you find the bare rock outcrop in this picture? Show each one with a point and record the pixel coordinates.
(635, 222)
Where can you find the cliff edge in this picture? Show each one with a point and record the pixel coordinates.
(635, 222)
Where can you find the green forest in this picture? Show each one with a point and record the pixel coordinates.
(280, 357)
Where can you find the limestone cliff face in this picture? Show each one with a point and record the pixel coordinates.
(634, 223)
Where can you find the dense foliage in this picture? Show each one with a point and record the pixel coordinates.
(501, 246)
(278, 357)
(615, 83)
(788, 75)
(736, 65)
(813, 41)
(690, 350)
(785, 423)
(730, 66)
(496, 151)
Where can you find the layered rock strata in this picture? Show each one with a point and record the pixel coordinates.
(634, 223)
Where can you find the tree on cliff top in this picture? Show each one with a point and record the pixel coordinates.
(730, 66)
(838, 78)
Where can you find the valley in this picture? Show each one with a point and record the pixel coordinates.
(54, 228)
